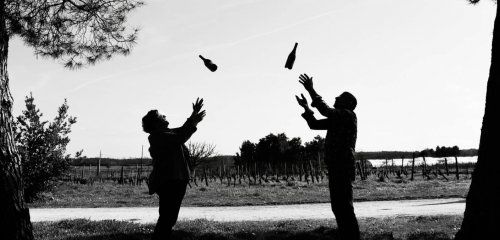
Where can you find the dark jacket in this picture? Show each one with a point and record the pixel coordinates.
(340, 141)
(170, 155)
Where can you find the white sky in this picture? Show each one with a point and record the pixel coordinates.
(418, 69)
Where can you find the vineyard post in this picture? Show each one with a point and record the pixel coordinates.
(319, 160)
(320, 168)
(255, 172)
(239, 174)
(90, 170)
(456, 168)
(121, 175)
(137, 174)
(142, 155)
(248, 172)
(311, 173)
(446, 166)
(228, 176)
(205, 175)
(286, 172)
(358, 166)
(220, 174)
(98, 172)
(319, 172)
(366, 170)
(412, 166)
(301, 172)
(277, 174)
(424, 168)
(259, 174)
(268, 171)
(363, 169)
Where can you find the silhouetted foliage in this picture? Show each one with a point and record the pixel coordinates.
(77, 32)
(199, 153)
(42, 146)
(446, 151)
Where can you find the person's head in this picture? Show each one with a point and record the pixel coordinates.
(154, 121)
(345, 101)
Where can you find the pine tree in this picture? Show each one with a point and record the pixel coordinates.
(482, 208)
(77, 33)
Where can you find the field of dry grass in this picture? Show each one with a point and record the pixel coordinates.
(109, 194)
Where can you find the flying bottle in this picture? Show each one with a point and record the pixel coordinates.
(209, 64)
(291, 57)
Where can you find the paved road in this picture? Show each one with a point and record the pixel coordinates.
(377, 209)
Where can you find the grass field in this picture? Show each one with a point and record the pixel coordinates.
(411, 228)
(109, 194)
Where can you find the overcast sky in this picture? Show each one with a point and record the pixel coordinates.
(418, 69)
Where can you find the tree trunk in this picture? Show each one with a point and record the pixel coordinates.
(482, 210)
(14, 215)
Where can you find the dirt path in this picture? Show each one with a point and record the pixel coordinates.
(376, 209)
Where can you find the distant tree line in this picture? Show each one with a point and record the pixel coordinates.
(429, 152)
(85, 161)
(278, 149)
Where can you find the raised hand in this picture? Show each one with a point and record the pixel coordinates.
(302, 101)
(198, 116)
(307, 82)
(197, 106)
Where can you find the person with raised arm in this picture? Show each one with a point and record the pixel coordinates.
(170, 174)
(340, 142)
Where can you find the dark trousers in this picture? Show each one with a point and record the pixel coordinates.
(341, 200)
(170, 196)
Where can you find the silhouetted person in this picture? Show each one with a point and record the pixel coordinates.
(170, 174)
(341, 126)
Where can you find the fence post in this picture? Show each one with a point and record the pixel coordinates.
(456, 168)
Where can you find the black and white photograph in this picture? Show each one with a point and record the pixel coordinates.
(249, 119)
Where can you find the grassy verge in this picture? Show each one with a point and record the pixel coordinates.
(432, 228)
(113, 195)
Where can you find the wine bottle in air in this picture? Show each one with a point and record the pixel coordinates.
(291, 58)
(209, 64)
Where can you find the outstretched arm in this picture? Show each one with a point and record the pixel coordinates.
(317, 101)
(182, 134)
(308, 115)
(313, 123)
